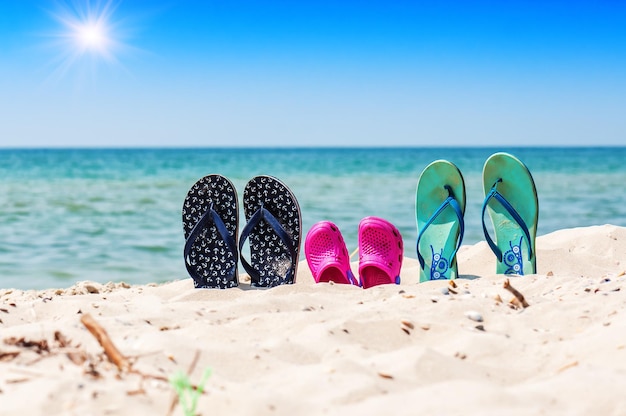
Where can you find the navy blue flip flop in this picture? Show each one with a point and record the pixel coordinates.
(210, 224)
(273, 231)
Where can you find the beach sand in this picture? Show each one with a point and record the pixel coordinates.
(324, 349)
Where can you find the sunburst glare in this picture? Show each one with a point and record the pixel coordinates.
(88, 33)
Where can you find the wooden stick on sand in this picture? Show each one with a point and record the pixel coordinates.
(110, 349)
(516, 293)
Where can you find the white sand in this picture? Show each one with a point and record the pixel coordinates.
(339, 350)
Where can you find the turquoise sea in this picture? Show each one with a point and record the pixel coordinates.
(115, 214)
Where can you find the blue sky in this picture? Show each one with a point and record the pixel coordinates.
(304, 73)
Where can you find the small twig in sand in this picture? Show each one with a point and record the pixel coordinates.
(568, 366)
(17, 380)
(76, 355)
(516, 293)
(9, 355)
(110, 349)
(122, 363)
(39, 346)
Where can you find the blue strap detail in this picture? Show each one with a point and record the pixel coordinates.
(449, 201)
(209, 216)
(493, 193)
(254, 220)
(352, 279)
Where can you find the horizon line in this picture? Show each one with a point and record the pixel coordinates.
(325, 147)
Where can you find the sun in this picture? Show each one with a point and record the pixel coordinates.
(92, 36)
(87, 32)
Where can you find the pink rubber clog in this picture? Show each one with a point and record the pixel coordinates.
(327, 255)
(380, 252)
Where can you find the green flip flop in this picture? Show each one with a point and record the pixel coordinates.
(439, 210)
(511, 201)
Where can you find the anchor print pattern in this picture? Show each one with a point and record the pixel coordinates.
(213, 262)
(269, 256)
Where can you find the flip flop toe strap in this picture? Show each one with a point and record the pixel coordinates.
(210, 216)
(493, 193)
(263, 214)
(450, 201)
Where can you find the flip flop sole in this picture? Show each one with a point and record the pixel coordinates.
(439, 241)
(518, 188)
(210, 262)
(270, 259)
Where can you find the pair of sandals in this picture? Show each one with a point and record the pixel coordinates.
(211, 222)
(512, 205)
(380, 253)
